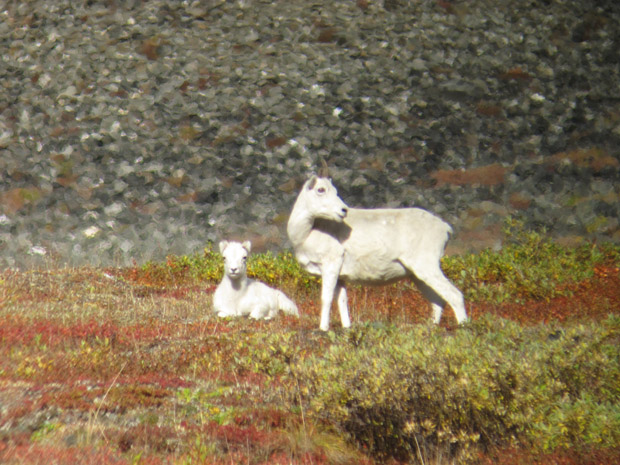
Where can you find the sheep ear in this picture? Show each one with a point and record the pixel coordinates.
(311, 182)
(247, 245)
(223, 245)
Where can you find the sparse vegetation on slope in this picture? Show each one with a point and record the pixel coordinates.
(129, 366)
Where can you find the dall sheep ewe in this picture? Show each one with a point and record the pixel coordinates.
(238, 295)
(371, 246)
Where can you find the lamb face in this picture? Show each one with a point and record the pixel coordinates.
(235, 258)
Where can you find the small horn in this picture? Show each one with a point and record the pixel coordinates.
(324, 170)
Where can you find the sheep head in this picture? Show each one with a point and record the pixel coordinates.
(235, 258)
(322, 199)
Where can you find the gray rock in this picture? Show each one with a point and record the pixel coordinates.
(169, 126)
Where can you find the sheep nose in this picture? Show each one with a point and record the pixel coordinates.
(345, 211)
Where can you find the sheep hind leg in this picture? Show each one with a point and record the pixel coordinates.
(437, 303)
(439, 290)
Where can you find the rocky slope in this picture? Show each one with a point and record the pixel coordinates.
(132, 130)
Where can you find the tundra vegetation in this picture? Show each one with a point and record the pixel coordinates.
(131, 366)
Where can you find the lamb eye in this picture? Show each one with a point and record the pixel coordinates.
(321, 190)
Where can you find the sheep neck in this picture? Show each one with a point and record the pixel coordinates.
(299, 225)
(238, 283)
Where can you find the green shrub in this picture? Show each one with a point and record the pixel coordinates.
(424, 392)
(208, 266)
(529, 266)
(274, 269)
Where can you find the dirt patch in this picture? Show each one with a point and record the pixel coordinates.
(593, 158)
(490, 175)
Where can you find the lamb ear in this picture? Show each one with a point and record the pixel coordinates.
(311, 182)
(223, 245)
(247, 245)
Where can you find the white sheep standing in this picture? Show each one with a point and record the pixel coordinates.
(238, 295)
(371, 246)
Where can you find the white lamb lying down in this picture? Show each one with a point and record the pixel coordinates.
(238, 295)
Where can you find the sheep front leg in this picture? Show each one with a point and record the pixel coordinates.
(343, 308)
(329, 281)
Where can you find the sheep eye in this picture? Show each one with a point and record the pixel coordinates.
(321, 190)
